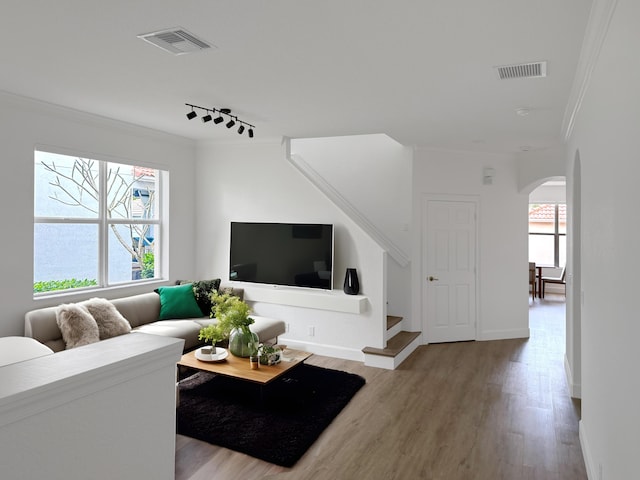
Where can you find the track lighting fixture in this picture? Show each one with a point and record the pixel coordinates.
(233, 119)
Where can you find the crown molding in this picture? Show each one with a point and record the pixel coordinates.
(595, 34)
(69, 114)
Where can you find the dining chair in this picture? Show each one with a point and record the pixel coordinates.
(556, 280)
(532, 279)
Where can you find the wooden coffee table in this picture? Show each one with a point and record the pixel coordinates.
(240, 368)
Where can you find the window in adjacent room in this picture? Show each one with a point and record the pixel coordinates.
(548, 234)
(96, 223)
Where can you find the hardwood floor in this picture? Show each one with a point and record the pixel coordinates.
(471, 410)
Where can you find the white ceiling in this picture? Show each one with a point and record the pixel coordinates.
(420, 71)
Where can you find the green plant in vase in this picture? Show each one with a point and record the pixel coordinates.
(233, 322)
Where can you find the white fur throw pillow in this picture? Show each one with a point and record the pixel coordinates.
(77, 325)
(110, 321)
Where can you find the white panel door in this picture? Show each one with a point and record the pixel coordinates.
(449, 267)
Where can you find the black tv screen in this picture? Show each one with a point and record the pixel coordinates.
(289, 254)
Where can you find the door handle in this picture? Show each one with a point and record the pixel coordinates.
(432, 278)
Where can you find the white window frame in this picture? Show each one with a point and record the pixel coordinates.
(103, 223)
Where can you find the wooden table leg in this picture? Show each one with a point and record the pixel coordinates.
(539, 281)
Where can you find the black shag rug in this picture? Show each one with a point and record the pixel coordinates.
(277, 425)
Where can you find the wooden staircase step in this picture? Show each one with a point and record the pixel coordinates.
(392, 321)
(395, 345)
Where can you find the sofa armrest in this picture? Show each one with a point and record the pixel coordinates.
(41, 325)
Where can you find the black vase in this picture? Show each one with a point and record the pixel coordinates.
(351, 283)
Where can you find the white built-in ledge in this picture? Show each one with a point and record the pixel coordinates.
(334, 300)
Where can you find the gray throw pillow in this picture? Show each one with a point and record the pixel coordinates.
(77, 325)
(110, 321)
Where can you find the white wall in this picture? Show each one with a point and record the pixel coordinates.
(606, 137)
(502, 226)
(373, 174)
(255, 182)
(534, 167)
(24, 124)
(549, 194)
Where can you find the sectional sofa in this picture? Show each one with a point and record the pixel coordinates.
(143, 313)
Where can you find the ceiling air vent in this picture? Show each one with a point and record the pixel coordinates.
(522, 70)
(175, 40)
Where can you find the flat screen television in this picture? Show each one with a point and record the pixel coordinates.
(287, 254)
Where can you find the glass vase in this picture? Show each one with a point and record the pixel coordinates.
(243, 342)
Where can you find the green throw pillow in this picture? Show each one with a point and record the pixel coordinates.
(178, 302)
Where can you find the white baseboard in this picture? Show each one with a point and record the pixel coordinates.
(504, 334)
(321, 349)
(574, 388)
(592, 471)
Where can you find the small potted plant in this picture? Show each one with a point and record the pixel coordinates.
(269, 354)
(212, 334)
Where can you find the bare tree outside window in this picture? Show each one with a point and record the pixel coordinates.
(83, 183)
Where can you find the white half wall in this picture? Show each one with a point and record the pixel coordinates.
(255, 182)
(25, 124)
(101, 411)
(502, 229)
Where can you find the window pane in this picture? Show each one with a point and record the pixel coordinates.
(563, 250)
(542, 218)
(132, 191)
(64, 253)
(131, 253)
(541, 249)
(65, 186)
(562, 218)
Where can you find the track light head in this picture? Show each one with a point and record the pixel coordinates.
(241, 129)
(206, 118)
(191, 115)
(218, 119)
(251, 133)
(231, 123)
